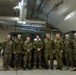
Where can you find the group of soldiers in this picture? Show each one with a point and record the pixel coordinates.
(50, 47)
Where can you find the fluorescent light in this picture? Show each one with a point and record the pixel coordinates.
(16, 18)
(70, 15)
(21, 22)
(37, 25)
(24, 22)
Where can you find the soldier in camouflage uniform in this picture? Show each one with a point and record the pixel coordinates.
(74, 47)
(17, 50)
(58, 51)
(38, 45)
(27, 52)
(68, 49)
(0, 46)
(7, 48)
(48, 53)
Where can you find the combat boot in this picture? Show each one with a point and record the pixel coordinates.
(15, 68)
(67, 68)
(61, 68)
(51, 67)
(57, 68)
(34, 67)
(74, 69)
(24, 68)
(4, 68)
(19, 68)
(29, 66)
(70, 68)
(40, 66)
(7, 68)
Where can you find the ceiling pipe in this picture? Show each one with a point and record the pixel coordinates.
(42, 6)
(37, 9)
(23, 10)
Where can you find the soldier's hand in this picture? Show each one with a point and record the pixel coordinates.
(61, 51)
(23, 53)
(54, 52)
(28, 50)
(14, 52)
(38, 49)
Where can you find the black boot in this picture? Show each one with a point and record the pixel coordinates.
(34, 67)
(24, 68)
(74, 69)
(51, 67)
(57, 68)
(60, 68)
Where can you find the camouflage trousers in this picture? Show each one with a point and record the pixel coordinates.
(27, 57)
(39, 55)
(69, 58)
(59, 58)
(75, 58)
(17, 59)
(49, 56)
(7, 59)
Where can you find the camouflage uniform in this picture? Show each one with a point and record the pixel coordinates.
(68, 45)
(48, 53)
(58, 48)
(36, 45)
(18, 49)
(27, 55)
(74, 52)
(7, 48)
(0, 45)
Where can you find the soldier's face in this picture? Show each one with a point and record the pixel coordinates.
(67, 37)
(47, 36)
(28, 39)
(37, 37)
(8, 37)
(19, 37)
(74, 36)
(57, 36)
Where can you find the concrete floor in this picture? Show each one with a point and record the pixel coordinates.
(35, 72)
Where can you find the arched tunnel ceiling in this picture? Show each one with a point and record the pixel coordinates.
(57, 17)
(54, 12)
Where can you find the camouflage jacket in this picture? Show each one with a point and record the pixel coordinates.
(37, 44)
(0, 45)
(7, 46)
(27, 46)
(74, 45)
(68, 45)
(59, 44)
(48, 45)
(18, 46)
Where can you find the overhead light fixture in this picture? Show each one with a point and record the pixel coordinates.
(21, 22)
(70, 15)
(24, 22)
(37, 25)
